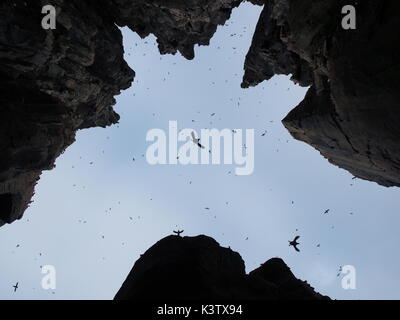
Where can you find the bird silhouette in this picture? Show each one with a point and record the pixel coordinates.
(294, 243)
(15, 287)
(196, 141)
(179, 232)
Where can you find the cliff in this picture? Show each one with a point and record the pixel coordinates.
(351, 111)
(192, 268)
(178, 25)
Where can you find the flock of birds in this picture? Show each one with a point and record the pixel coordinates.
(292, 243)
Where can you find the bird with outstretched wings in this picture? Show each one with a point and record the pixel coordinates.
(294, 243)
(196, 141)
(179, 232)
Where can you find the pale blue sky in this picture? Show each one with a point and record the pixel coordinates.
(71, 208)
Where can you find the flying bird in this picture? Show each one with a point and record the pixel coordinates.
(196, 141)
(339, 271)
(179, 232)
(294, 243)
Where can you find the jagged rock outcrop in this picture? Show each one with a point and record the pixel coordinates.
(269, 55)
(351, 112)
(257, 2)
(177, 24)
(52, 83)
(191, 268)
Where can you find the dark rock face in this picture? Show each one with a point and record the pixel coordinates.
(191, 268)
(269, 55)
(351, 112)
(52, 83)
(177, 24)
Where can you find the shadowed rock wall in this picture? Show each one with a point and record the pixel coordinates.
(192, 268)
(351, 113)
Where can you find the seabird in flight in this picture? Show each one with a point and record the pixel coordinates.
(196, 141)
(294, 243)
(179, 232)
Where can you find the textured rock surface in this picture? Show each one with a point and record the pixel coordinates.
(351, 112)
(177, 24)
(52, 83)
(198, 267)
(269, 55)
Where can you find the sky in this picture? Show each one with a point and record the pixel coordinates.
(104, 204)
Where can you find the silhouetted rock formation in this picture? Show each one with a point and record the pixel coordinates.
(351, 112)
(52, 83)
(190, 268)
(177, 24)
